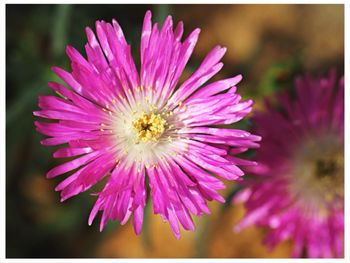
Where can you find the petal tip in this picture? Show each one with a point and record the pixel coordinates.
(239, 77)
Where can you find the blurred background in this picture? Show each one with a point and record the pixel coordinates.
(268, 44)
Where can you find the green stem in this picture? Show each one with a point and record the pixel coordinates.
(59, 32)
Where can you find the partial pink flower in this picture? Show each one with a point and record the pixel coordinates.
(298, 188)
(128, 126)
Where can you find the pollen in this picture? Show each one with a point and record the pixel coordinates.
(148, 127)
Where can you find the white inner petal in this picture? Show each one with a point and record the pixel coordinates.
(128, 121)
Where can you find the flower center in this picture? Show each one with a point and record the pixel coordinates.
(148, 127)
(327, 167)
(318, 171)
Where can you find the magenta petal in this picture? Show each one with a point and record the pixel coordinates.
(68, 166)
(174, 223)
(216, 87)
(146, 32)
(179, 31)
(68, 78)
(69, 152)
(138, 219)
(185, 53)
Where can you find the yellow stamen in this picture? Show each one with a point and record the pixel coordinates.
(149, 127)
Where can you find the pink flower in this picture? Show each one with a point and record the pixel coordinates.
(126, 126)
(298, 191)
